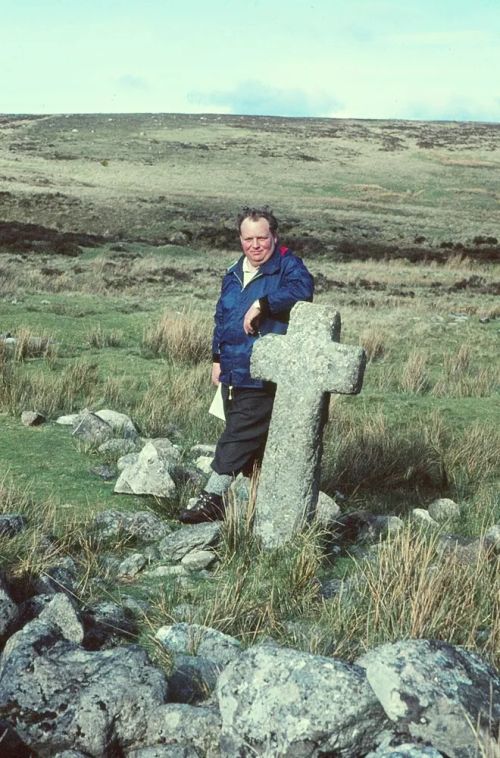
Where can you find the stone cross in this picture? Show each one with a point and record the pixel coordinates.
(307, 364)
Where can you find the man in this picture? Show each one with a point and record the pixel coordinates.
(258, 292)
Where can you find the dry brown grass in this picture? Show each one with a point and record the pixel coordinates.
(374, 344)
(414, 376)
(29, 345)
(184, 336)
(409, 589)
(461, 377)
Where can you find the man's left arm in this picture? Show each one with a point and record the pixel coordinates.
(297, 284)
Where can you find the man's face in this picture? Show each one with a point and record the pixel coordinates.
(257, 241)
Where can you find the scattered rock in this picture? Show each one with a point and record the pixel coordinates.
(71, 419)
(149, 475)
(444, 509)
(32, 418)
(176, 545)
(421, 516)
(107, 473)
(180, 731)
(8, 610)
(168, 571)
(195, 639)
(61, 614)
(144, 526)
(204, 464)
(204, 450)
(463, 549)
(491, 538)
(435, 693)
(327, 511)
(92, 430)
(278, 701)
(11, 524)
(198, 559)
(131, 566)
(405, 751)
(120, 423)
(107, 624)
(118, 447)
(61, 577)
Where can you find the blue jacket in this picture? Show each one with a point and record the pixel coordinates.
(281, 282)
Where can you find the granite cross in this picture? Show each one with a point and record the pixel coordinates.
(307, 364)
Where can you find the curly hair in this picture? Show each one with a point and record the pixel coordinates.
(256, 213)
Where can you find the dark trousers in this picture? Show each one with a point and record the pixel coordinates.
(242, 442)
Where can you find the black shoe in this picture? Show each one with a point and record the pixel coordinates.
(208, 507)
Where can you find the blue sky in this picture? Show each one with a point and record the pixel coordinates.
(418, 59)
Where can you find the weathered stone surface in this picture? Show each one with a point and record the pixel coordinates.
(195, 639)
(276, 702)
(204, 464)
(59, 578)
(326, 511)
(184, 731)
(140, 525)
(131, 566)
(492, 538)
(32, 418)
(149, 475)
(11, 524)
(443, 509)
(127, 460)
(421, 516)
(435, 692)
(118, 447)
(289, 480)
(108, 623)
(70, 419)
(61, 614)
(167, 571)
(176, 545)
(8, 610)
(463, 549)
(60, 697)
(406, 750)
(198, 559)
(192, 680)
(121, 424)
(92, 429)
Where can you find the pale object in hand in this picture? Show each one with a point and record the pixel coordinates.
(217, 406)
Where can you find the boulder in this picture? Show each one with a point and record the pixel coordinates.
(131, 566)
(150, 474)
(121, 424)
(435, 693)
(195, 639)
(107, 623)
(443, 509)
(60, 577)
(144, 526)
(59, 697)
(61, 614)
(198, 559)
(277, 701)
(32, 418)
(180, 731)
(117, 448)
(204, 464)
(201, 449)
(198, 536)
(327, 511)
(423, 517)
(8, 610)
(126, 460)
(91, 429)
(71, 419)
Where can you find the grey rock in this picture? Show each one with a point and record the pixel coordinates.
(144, 526)
(131, 566)
(435, 693)
(405, 750)
(463, 549)
(120, 423)
(289, 479)
(421, 516)
(8, 610)
(491, 538)
(198, 559)
(192, 679)
(61, 577)
(204, 464)
(276, 702)
(167, 571)
(201, 449)
(108, 473)
(125, 461)
(149, 475)
(32, 418)
(91, 429)
(198, 536)
(11, 524)
(185, 612)
(71, 419)
(108, 623)
(118, 447)
(61, 614)
(327, 511)
(61, 697)
(195, 639)
(443, 509)
(179, 727)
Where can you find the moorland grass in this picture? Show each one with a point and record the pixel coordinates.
(425, 425)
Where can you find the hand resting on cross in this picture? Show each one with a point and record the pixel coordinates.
(251, 320)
